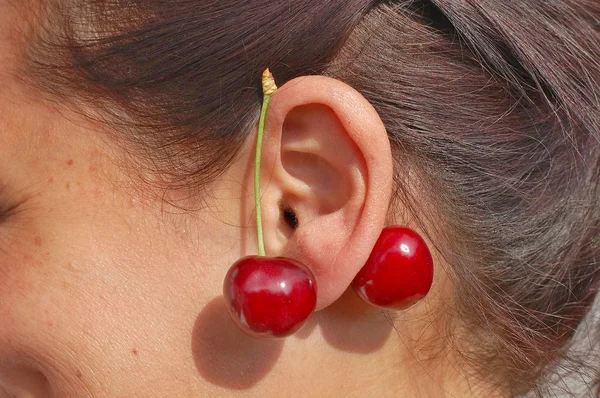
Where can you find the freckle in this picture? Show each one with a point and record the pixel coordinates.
(134, 352)
(79, 374)
(38, 241)
(68, 186)
(70, 162)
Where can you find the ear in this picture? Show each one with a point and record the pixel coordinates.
(326, 162)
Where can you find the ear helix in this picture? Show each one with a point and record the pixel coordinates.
(274, 296)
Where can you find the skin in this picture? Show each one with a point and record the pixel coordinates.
(106, 290)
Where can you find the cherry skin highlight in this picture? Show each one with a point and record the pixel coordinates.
(269, 296)
(399, 271)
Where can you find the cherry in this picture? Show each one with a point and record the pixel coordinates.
(399, 271)
(269, 296)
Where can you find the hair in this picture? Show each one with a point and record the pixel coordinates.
(490, 106)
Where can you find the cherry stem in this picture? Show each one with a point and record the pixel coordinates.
(269, 87)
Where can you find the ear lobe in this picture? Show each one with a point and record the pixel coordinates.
(326, 155)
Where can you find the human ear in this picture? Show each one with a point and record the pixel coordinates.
(326, 162)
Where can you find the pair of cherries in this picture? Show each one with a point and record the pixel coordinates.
(274, 296)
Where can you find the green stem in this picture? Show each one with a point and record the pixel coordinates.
(259, 140)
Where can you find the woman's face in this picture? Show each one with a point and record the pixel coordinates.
(106, 290)
(109, 288)
(100, 279)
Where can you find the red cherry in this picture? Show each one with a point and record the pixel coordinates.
(399, 271)
(269, 297)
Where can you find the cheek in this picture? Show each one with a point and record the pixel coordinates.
(95, 284)
(66, 289)
(94, 293)
(23, 267)
(34, 316)
(67, 319)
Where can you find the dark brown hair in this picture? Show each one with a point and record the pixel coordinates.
(491, 107)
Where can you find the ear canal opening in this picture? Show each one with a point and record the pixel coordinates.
(290, 217)
(289, 220)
